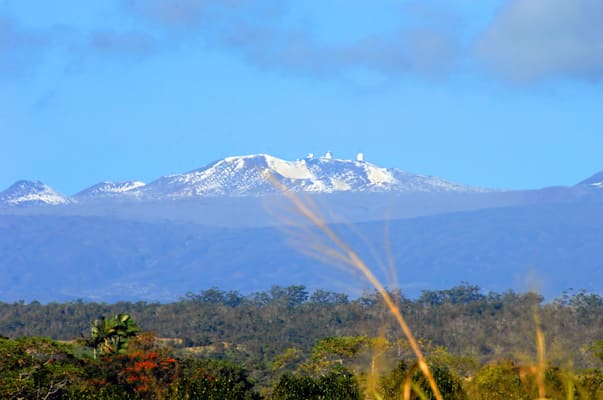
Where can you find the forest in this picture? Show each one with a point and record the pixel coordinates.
(288, 343)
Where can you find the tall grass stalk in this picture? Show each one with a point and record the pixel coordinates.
(344, 253)
(541, 356)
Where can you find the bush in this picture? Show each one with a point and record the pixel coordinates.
(338, 384)
(392, 385)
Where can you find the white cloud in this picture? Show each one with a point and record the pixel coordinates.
(24, 49)
(532, 40)
(20, 48)
(255, 28)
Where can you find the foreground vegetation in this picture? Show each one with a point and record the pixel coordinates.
(289, 344)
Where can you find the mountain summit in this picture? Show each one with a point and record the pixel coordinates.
(595, 180)
(31, 193)
(108, 188)
(248, 176)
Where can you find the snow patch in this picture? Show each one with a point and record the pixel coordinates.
(340, 185)
(291, 170)
(379, 176)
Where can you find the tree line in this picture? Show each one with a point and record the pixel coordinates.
(273, 333)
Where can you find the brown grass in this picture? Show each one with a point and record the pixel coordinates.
(339, 251)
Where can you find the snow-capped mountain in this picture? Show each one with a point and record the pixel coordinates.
(108, 188)
(31, 193)
(596, 180)
(255, 174)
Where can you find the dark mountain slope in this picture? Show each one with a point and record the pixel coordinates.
(56, 258)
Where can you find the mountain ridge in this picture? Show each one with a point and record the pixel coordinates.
(255, 175)
(248, 175)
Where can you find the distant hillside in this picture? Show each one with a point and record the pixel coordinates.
(556, 245)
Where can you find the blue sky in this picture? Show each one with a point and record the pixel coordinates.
(498, 93)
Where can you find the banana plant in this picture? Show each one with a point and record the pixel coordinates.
(110, 335)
